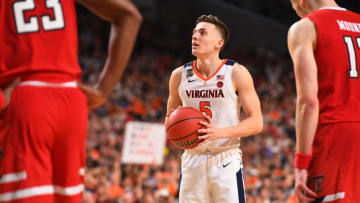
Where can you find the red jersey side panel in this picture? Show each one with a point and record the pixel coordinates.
(38, 36)
(337, 56)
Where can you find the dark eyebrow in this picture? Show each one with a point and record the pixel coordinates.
(201, 29)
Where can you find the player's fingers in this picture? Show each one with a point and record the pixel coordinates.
(7, 91)
(87, 89)
(15, 83)
(82, 86)
(308, 192)
(204, 123)
(304, 199)
(203, 137)
(203, 131)
(202, 143)
(303, 195)
(171, 110)
(209, 119)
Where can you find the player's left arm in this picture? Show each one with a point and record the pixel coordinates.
(249, 100)
(301, 44)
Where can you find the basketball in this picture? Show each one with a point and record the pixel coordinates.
(182, 126)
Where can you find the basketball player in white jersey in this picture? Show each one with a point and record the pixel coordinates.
(212, 171)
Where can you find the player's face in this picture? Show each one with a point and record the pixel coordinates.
(297, 7)
(206, 39)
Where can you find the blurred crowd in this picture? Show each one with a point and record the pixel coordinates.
(142, 96)
(280, 10)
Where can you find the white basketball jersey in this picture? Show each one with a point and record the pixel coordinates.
(214, 96)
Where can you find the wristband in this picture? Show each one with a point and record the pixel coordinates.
(2, 100)
(302, 161)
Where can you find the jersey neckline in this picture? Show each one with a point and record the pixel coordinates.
(211, 76)
(333, 8)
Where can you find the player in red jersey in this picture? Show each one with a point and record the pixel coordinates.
(325, 49)
(44, 126)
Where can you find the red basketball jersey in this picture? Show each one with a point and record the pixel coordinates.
(337, 56)
(38, 40)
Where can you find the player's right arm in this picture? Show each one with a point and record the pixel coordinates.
(302, 43)
(174, 99)
(125, 20)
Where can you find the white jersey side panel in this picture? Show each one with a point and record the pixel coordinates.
(214, 96)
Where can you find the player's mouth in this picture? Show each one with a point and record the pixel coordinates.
(195, 45)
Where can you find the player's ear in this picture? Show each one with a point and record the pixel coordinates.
(302, 3)
(220, 44)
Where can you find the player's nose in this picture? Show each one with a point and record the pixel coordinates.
(195, 36)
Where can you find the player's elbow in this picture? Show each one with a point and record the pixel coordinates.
(136, 16)
(132, 16)
(308, 101)
(256, 124)
(259, 125)
(307, 106)
(128, 19)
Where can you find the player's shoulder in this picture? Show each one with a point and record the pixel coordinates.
(232, 63)
(178, 71)
(241, 76)
(237, 67)
(302, 31)
(301, 26)
(239, 70)
(186, 66)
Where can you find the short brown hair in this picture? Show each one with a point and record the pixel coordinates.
(224, 31)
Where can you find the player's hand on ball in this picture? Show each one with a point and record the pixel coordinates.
(182, 127)
(171, 110)
(210, 132)
(7, 93)
(94, 96)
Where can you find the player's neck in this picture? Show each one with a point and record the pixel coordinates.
(209, 65)
(323, 4)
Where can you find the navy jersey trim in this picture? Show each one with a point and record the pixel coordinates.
(230, 62)
(188, 64)
(240, 186)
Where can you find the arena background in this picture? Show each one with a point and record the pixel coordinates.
(258, 30)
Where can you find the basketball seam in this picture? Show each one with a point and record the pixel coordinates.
(187, 135)
(182, 121)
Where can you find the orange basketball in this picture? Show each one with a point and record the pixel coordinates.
(182, 126)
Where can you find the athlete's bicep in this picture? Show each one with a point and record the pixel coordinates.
(174, 99)
(301, 40)
(247, 95)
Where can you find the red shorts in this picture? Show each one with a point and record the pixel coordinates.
(334, 171)
(42, 139)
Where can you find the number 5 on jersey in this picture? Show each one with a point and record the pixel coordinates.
(32, 24)
(205, 107)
